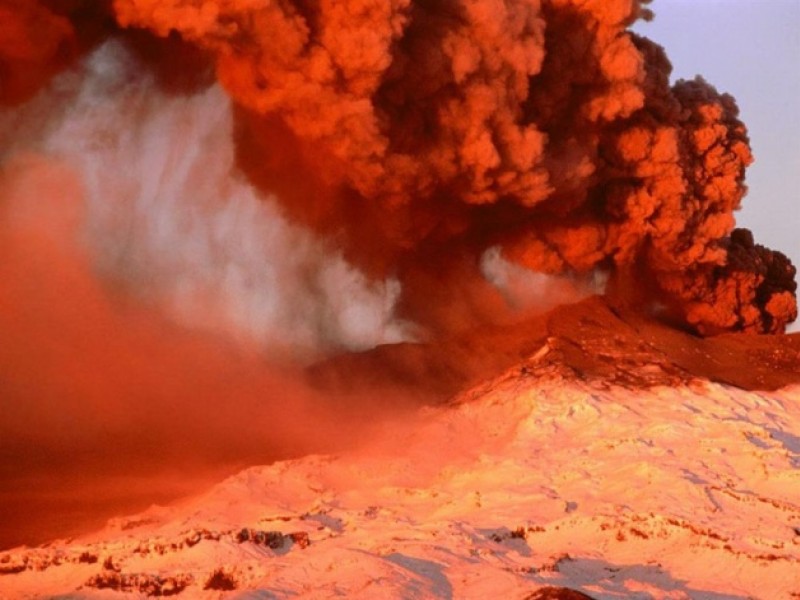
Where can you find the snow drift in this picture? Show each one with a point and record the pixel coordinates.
(535, 481)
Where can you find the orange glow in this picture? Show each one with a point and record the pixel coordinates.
(104, 401)
(439, 130)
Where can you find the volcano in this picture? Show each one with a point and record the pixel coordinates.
(383, 298)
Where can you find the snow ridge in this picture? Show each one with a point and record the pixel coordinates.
(667, 492)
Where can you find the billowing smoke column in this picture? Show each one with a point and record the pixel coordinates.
(420, 133)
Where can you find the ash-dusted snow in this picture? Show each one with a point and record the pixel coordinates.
(688, 492)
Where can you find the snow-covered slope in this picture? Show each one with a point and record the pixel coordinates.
(525, 482)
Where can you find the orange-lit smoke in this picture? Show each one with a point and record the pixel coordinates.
(38, 38)
(107, 405)
(428, 132)
(149, 337)
(34, 44)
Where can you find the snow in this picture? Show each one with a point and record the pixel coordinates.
(525, 482)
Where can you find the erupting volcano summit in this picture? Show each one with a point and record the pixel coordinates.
(448, 294)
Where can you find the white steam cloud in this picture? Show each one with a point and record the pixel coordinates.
(523, 289)
(169, 220)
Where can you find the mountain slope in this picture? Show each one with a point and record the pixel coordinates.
(532, 479)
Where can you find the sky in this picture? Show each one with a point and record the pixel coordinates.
(750, 49)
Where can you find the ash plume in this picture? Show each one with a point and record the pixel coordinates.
(429, 132)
